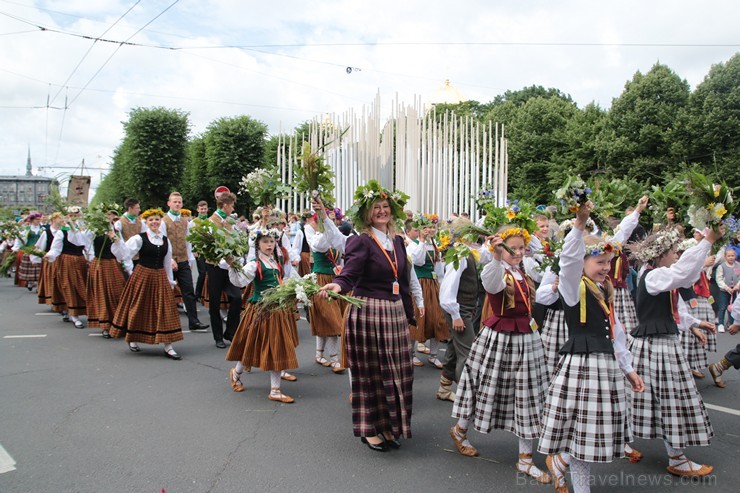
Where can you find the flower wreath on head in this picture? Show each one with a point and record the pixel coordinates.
(655, 245)
(516, 213)
(261, 232)
(186, 212)
(567, 225)
(367, 194)
(151, 212)
(74, 209)
(516, 231)
(34, 215)
(601, 248)
(421, 221)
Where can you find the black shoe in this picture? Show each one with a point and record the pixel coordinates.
(172, 355)
(379, 447)
(227, 338)
(65, 318)
(106, 335)
(199, 327)
(220, 344)
(392, 443)
(134, 349)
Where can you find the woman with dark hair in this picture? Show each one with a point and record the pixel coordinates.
(377, 335)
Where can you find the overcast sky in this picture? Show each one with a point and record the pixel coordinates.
(283, 62)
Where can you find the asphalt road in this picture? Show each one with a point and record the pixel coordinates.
(83, 414)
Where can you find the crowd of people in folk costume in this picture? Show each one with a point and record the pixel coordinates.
(575, 361)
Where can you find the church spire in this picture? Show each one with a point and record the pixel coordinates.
(28, 163)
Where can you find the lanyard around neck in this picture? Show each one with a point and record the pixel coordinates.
(394, 262)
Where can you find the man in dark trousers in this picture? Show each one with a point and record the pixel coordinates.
(199, 261)
(218, 279)
(176, 229)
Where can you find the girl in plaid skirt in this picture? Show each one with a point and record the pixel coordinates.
(262, 339)
(503, 383)
(573, 435)
(671, 408)
(29, 268)
(147, 311)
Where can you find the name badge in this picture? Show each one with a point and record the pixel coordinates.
(434, 275)
(693, 303)
(711, 300)
(533, 324)
(396, 287)
(337, 270)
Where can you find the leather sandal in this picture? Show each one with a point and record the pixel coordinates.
(717, 377)
(459, 436)
(320, 360)
(336, 366)
(697, 374)
(287, 376)
(236, 383)
(276, 395)
(557, 468)
(633, 456)
(703, 470)
(526, 467)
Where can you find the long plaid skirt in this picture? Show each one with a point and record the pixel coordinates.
(554, 333)
(624, 306)
(18, 258)
(325, 317)
(670, 408)
(46, 283)
(585, 409)
(265, 340)
(71, 283)
(433, 324)
(105, 284)
(378, 354)
(503, 383)
(147, 312)
(703, 311)
(27, 270)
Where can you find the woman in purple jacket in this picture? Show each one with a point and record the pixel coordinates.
(376, 270)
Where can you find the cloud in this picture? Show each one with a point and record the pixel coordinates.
(284, 85)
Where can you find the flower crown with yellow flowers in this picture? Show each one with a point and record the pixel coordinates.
(151, 212)
(516, 231)
(262, 232)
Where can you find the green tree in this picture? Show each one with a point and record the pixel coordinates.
(196, 183)
(714, 121)
(642, 123)
(233, 147)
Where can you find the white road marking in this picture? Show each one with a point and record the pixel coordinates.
(47, 314)
(7, 463)
(29, 336)
(95, 335)
(722, 409)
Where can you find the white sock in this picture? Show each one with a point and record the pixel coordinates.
(682, 463)
(525, 446)
(74, 318)
(463, 423)
(239, 368)
(275, 381)
(133, 344)
(223, 313)
(332, 347)
(566, 457)
(580, 475)
(320, 345)
(168, 348)
(433, 348)
(627, 448)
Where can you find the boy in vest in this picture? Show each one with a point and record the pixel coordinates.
(202, 210)
(129, 225)
(176, 229)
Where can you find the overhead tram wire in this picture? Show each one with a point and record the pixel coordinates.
(74, 70)
(119, 47)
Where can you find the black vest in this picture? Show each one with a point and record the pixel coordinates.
(305, 248)
(104, 243)
(654, 316)
(152, 256)
(70, 248)
(470, 286)
(593, 336)
(49, 237)
(687, 294)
